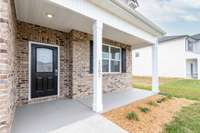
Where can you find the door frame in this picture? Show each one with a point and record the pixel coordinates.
(29, 66)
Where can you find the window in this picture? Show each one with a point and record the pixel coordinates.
(111, 59)
(44, 60)
(105, 57)
(190, 45)
(137, 54)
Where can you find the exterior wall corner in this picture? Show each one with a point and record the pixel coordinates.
(8, 75)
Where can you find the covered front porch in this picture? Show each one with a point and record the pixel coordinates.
(59, 49)
(74, 116)
(99, 27)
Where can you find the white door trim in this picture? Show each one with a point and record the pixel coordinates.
(29, 68)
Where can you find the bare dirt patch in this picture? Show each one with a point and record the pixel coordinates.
(150, 122)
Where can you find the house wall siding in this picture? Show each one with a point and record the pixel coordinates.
(171, 60)
(7, 64)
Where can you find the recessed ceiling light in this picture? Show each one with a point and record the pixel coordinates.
(49, 15)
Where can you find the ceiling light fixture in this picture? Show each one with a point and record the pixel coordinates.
(49, 15)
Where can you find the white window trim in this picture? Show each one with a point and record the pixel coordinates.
(110, 59)
(58, 84)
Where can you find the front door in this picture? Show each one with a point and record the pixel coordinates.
(44, 70)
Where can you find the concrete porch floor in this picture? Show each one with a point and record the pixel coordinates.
(72, 116)
(117, 99)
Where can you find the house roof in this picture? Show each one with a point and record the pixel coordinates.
(141, 17)
(168, 38)
(197, 36)
(120, 9)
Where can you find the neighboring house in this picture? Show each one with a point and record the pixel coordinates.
(52, 49)
(178, 57)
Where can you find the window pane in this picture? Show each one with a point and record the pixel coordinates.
(115, 66)
(115, 53)
(137, 54)
(105, 66)
(105, 53)
(190, 46)
(44, 60)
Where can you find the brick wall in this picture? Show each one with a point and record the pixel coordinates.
(82, 79)
(7, 64)
(76, 81)
(29, 32)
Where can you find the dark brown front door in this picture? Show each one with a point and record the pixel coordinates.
(44, 70)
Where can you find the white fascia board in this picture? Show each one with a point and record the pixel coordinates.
(90, 10)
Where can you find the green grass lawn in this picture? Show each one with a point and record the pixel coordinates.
(185, 121)
(188, 119)
(189, 89)
(178, 88)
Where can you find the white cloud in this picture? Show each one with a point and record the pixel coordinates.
(170, 10)
(190, 18)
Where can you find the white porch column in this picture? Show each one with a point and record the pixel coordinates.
(155, 76)
(97, 66)
(198, 68)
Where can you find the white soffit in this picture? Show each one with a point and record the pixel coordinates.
(35, 11)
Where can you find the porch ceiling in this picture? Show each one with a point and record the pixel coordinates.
(35, 12)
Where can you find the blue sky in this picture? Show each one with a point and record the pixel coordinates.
(173, 16)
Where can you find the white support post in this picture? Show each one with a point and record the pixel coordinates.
(97, 66)
(155, 77)
(198, 69)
